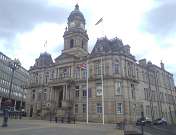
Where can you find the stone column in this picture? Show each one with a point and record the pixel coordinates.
(51, 93)
(55, 96)
(52, 96)
(63, 88)
(49, 97)
(66, 92)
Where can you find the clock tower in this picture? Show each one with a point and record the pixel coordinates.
(75, 35)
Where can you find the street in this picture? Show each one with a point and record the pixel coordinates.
(160, 130)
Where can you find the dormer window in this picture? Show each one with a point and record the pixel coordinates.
(101, 48)
(71, 43)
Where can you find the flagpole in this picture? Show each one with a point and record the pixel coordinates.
(102, 89)
(45, 44)
(87, 92)
(102, 26)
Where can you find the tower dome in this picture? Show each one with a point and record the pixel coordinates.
(76, 15)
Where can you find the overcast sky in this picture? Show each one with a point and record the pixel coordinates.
(148, 26)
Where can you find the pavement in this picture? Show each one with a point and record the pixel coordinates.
(133, 129)
(161, 130)
(42, 127)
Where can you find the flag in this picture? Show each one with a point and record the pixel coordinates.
(83, 66)
(99, 21)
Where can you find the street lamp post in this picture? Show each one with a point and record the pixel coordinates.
(21, 104)
(142, 120)
(14, 65)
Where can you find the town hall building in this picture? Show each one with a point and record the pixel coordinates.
(59, 88)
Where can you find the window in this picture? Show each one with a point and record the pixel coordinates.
(153, 95)
(66, 72)
(119, 108)
(133, 94)
(99, 89)
(77, 87)
(45, 94)
(46, 77)
(84, 73)
(77, 91)
(97, 68)
(40, 95)
(77, 72)
(137, 72)
(148, 110)
(76, 108)
(161, 97)
(84, 93)
(129, 69)
(84, 108)
(71, 43)
(118, 88)
(99, 108)
(33, 94)
(116, 68)
(52, 74)
(145, 93)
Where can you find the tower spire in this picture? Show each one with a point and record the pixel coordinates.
(77, 7)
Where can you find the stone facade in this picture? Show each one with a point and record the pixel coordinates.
(20, 79)
(129, 87)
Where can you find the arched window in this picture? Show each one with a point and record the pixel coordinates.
(116, 67)
(71, 43)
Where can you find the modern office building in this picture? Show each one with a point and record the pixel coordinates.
(19, 81)
(129, 87)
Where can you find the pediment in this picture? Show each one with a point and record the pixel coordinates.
(64, 57)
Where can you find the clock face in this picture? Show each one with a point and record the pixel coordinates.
(72, 24)
(77, 23)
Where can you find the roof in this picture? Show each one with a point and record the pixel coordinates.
(115, 45)
(76, 12)
(44, 60)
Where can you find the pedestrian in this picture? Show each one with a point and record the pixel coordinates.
(62, 119)
(56, 119)
(5, 119)
(50, 118)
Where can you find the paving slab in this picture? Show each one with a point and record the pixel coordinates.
(42, 127)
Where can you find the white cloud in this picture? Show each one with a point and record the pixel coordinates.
(29, 45)
(122, 18)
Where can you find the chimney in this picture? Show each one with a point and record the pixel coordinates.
(162, 65)
(142, 62)
(127, 48)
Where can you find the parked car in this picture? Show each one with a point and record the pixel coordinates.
(1, 113)
(160, 121)
(144, 121)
